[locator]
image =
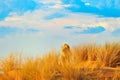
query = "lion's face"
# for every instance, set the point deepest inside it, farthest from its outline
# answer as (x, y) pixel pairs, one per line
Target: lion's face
(65, 47)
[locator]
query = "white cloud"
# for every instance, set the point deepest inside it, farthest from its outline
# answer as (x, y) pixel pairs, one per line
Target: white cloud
(55, 4)
(49, 1)
(104, 3)
(87, 4)
(59, 6)
(36, 20)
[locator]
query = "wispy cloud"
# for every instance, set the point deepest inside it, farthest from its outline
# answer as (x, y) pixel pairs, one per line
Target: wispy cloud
(54, 16)
(102, 8)
(37, 21)
(7, 31)
(68, 27)
(32, 30)
(91, 30)
(104, 3)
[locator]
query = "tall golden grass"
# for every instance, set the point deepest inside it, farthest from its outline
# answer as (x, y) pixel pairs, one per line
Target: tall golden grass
(88, 62)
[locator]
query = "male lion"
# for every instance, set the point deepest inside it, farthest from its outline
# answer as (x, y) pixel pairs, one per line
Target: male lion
(65, 53)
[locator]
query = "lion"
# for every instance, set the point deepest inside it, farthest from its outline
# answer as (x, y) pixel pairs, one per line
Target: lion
(65, 53)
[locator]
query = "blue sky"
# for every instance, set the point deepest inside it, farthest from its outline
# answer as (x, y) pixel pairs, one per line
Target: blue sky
(34, 27)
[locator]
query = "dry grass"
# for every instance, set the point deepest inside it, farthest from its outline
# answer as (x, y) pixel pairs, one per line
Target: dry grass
(88, 62)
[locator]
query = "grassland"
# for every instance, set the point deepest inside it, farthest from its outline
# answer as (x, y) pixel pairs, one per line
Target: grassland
(88, 62)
